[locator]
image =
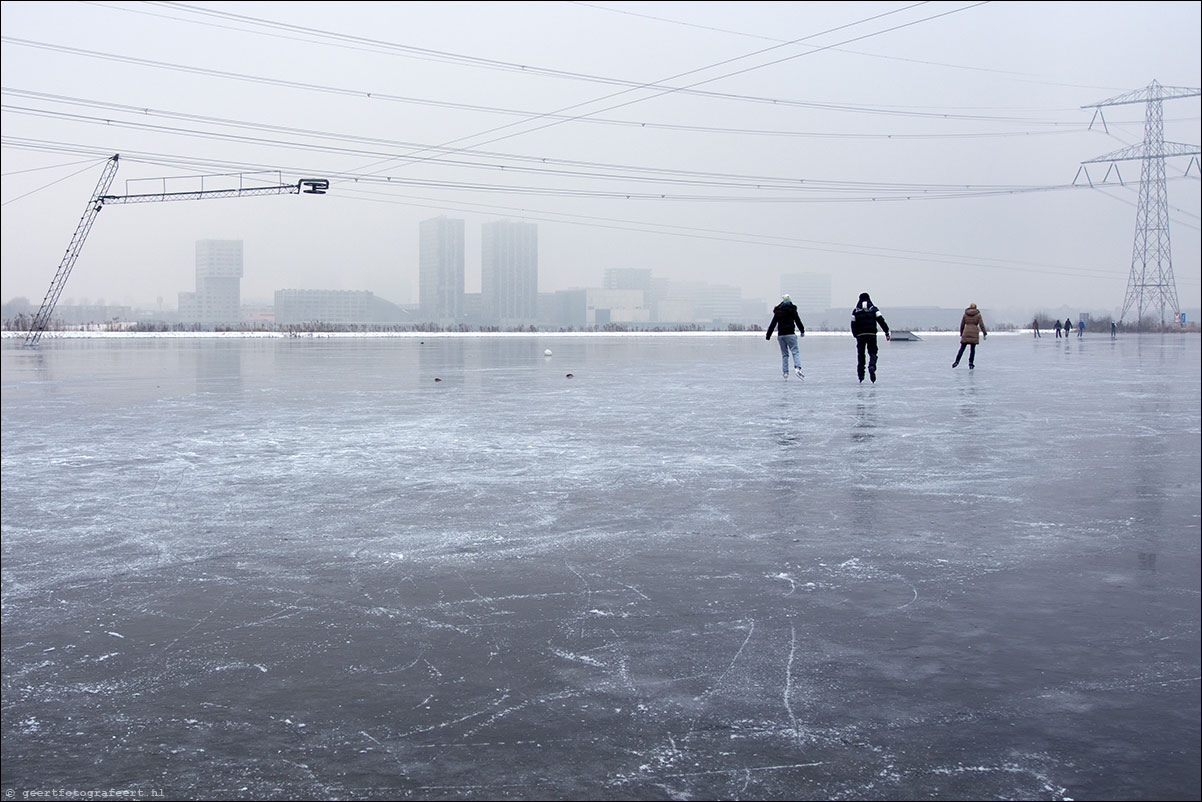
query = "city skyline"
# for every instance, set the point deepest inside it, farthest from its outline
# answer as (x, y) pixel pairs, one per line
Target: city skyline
(929, 154)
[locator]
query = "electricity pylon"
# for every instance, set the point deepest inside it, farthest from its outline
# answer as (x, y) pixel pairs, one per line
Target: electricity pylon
(1151, 284)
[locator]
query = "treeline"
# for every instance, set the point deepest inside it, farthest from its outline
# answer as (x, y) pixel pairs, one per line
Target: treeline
(23, 322)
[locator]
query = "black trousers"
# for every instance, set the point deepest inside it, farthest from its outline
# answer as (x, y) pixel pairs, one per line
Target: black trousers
(865, 342)
(972, 353)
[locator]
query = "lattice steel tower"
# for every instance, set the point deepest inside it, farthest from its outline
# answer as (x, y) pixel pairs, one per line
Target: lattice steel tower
(1151, 284)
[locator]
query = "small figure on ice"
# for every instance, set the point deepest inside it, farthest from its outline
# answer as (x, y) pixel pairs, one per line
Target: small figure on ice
(864, 321)
(972, 329)
(788, 326)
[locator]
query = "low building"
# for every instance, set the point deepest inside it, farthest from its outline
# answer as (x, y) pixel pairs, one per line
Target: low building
(297, 307)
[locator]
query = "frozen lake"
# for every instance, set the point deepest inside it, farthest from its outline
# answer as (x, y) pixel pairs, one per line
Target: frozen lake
(436, 567)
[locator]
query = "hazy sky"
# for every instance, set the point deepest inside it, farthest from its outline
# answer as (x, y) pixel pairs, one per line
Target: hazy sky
(924, 152)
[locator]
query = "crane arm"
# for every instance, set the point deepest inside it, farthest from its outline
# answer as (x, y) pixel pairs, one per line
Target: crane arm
(308, 186)
(100, 198)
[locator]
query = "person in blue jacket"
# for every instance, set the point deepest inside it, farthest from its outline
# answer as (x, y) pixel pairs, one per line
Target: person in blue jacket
(865, 319)
(787, 324)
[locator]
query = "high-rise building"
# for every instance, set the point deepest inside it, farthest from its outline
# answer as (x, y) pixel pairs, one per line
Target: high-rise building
(509, 272)
(811, 292)
(628, 278)
(323, 306)
(719, 303)
(218, 295)
(440, 269)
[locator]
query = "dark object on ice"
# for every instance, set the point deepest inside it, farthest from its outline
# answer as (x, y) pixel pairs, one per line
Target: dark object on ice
(568, 376)
(437, 379)
(865, 318)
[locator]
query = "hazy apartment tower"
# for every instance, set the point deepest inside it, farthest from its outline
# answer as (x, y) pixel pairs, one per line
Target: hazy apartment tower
(811, 292)
(628, 278)
(440, 269)
(509, 272)
(715, 303)
(218, 295)
(293, 307)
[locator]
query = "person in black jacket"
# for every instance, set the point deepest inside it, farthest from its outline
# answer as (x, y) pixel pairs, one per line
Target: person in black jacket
(788, 328)
(864, 321)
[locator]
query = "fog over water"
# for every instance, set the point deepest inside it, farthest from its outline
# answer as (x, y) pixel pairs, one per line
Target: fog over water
(929, 153)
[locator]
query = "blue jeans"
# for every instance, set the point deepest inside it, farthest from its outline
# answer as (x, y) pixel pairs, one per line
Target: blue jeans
(788, 345)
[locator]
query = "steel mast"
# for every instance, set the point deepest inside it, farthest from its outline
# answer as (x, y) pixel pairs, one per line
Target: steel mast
(100, 197)
(1151, 284)
(42, 319)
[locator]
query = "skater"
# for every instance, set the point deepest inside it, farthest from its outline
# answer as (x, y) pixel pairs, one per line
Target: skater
(1057, 329)
(972, 329)
(1114, 330)
(786, 322)
(864, 321)
(1081, 328)
(1035, 327)
(1068, 328)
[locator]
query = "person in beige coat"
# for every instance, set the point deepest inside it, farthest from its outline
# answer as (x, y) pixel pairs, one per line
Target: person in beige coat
(972, 329)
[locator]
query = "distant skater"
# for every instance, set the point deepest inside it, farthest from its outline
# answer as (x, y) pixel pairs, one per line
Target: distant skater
(1057, 329)
(1035, 327)
(972, 329)
(1114, 330)
(1080, 328)
(788, 328)
(1068, 328)
(864, 321)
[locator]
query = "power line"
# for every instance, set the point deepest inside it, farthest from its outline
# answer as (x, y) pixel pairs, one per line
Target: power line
(655, 85)
(802, 190)
(89, 162)
(989, 70)
(617, 223)
(517, 162)
(377, 45)
(1058, 127)
(793, 243)
(368, 94)
(90, 165)
(592, 221)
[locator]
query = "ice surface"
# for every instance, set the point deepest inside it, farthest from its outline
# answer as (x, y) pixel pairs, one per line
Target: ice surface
(438, 567)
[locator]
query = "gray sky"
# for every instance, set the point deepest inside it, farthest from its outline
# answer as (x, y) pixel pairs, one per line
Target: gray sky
(923, 152)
